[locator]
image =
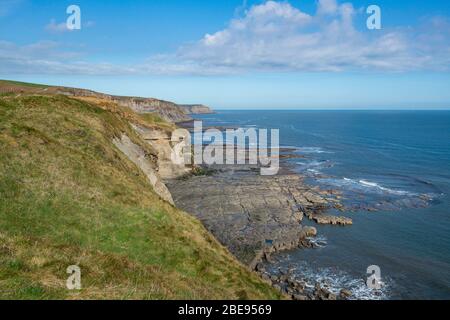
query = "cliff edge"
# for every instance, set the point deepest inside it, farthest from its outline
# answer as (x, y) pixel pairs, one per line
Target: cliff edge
(166, 110)
(196, 109)
(81, 183)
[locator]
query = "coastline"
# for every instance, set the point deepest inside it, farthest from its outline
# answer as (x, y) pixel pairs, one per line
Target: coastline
(98, 167)
(266, 221)
(386, 201)
(257, 216)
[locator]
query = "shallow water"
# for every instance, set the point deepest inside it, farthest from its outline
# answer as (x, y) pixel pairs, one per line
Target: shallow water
(394, 162)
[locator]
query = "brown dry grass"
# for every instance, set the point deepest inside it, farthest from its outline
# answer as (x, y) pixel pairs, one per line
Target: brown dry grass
(68, 196)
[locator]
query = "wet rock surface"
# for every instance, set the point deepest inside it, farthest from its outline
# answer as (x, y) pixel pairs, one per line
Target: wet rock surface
(252, 215)
(333, 220)
(248, 213)
(298, 289)
(257, 216)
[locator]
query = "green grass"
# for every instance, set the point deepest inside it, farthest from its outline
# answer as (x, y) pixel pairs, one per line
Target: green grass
(155, 119)
(152, 118)
(22, 84)
(68, 196)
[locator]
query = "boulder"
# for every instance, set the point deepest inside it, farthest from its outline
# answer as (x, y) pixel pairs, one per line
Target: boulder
(333, 220)
(299, 297)
(345, 294)
(260, 267)
(309, 231)
(332, 296)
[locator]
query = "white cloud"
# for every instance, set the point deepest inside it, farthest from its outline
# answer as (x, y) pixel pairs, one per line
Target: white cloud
(269, 37)
(54, 27)
(57, 27)
(275, 36)
(47, 57)
(327, 7)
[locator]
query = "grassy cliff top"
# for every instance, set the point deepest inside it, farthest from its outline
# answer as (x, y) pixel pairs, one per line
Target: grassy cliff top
(69, 197)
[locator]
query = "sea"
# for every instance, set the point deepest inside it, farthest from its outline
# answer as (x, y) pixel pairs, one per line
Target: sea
(392, 169)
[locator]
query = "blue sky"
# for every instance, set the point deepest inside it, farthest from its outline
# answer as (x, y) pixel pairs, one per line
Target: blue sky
(237, 54)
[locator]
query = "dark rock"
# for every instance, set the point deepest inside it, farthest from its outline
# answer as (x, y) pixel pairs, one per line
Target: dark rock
(307, 232)
(332, 296)
(345, 293)
(284, 278)
(267, 257)
(306, 244)
(300, 297)
(293, 283)
(278, 288)
(333, 220)
(243, 220)
(260, 267)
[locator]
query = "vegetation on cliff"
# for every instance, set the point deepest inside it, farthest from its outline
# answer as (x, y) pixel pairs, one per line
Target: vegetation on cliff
(195, 109)
(68, 196)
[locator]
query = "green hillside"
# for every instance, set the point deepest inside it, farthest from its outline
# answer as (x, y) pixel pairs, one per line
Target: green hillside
(68, 196)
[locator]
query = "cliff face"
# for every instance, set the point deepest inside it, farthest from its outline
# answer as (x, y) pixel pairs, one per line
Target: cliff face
(166, 110)
(159, 140)
(196, 109)
(81, 181)
(137, 155)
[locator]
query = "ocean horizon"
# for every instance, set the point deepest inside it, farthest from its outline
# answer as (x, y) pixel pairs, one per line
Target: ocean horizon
(392, 168)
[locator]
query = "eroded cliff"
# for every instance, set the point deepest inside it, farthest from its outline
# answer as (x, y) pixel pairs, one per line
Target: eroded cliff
(166, 110)
(196, 109)
(81, 184)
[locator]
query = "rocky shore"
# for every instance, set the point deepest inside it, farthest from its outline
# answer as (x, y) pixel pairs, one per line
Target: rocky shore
(285, 281)
(196, 109)
(256, 216)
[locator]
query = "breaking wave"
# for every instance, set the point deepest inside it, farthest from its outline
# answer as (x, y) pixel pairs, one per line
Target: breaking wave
(319, 242)
(308, 150)
(314, 166)
(311, 150)
(334, 280)
(366, 186)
